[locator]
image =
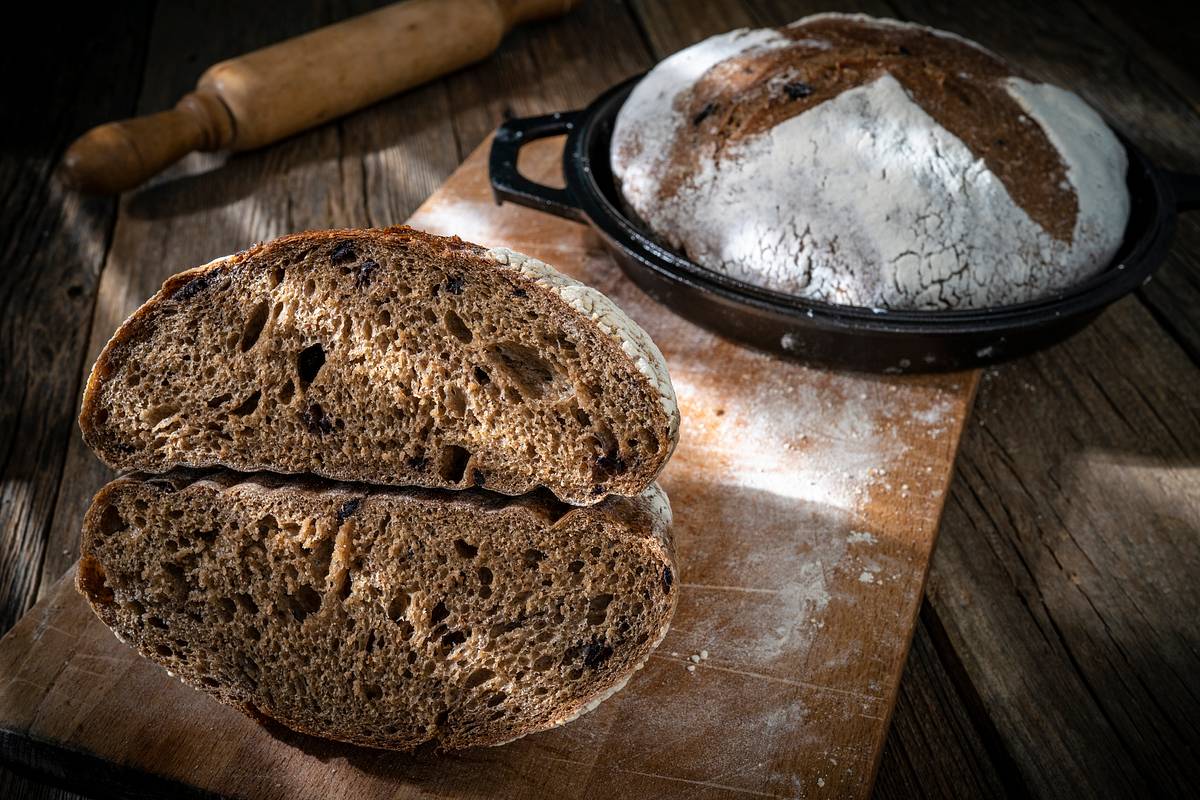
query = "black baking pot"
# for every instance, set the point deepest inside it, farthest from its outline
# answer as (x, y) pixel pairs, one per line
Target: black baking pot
(836, 335)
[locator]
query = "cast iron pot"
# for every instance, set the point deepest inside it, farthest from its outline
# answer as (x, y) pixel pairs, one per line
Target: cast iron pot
(835, 335)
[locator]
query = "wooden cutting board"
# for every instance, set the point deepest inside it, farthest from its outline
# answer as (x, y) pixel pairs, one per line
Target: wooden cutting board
(806, 509)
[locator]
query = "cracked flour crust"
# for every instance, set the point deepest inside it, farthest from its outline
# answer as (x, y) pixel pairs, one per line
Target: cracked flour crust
(865, 199)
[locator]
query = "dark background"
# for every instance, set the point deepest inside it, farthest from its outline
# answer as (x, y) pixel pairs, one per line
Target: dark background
(1057, 652)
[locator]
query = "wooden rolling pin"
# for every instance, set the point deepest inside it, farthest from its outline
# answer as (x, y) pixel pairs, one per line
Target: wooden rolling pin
(272, 93)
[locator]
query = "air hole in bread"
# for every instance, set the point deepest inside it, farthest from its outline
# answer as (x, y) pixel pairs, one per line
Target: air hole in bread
(453, 463)
(287, 392)
(254, 325)
(439, 613)
(581, 416)
(277, 275)
(501, 628)
(598, 608)
(458, 329)
(111, 521)
(397, 607)
(452, 640)
(154, 416)
(464, 549)
(497, 699)
(531, 373)
(220, 400)
(533, 557)
(246, 603)
(609, 462)
(304, 602)
(163, 650)
(478, 678)
(456, 401)
(226, 609)
(309, 363)
(94, 581)
(372, 692)
(248, 405)
(481, 376)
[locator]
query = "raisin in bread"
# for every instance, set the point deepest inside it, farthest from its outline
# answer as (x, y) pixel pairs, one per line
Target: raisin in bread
(381, 616)
(390, 357)
(873, 163)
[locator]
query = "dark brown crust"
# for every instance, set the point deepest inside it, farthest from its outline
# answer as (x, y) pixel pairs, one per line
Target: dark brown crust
(181, 288)
(642, 524)
(958, 84)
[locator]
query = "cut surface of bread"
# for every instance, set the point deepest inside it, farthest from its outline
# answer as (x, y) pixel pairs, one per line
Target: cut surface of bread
(382, 617)
(391, 357)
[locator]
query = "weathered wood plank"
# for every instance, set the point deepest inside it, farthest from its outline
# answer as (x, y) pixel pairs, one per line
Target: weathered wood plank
(18, 787)
(934, 749)
(54, 244)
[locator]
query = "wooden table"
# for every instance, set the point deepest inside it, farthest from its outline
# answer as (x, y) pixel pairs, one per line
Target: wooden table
(1058, 648)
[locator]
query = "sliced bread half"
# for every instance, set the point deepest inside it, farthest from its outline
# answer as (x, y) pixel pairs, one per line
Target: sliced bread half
(382, 617)
(391, 357)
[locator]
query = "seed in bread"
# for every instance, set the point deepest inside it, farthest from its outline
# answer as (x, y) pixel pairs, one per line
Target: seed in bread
(382, 617)
(871, 162)
(390, 357)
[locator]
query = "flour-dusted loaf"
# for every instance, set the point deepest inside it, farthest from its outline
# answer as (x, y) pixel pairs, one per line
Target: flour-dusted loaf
(381, 616)
(390, 357)
(873, 163)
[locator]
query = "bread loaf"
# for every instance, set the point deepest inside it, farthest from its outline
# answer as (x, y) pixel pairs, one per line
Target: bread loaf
(874, 163)
(389, 357)
(382, 617)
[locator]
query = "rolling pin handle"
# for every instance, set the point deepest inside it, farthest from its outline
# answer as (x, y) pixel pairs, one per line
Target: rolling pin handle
(120, 155)
(518, 12)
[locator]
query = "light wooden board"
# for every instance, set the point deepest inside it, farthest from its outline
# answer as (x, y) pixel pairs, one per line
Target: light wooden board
(806, 509)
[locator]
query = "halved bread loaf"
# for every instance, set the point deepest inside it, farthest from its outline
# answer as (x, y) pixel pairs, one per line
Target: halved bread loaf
(383, 617)
(391, 357)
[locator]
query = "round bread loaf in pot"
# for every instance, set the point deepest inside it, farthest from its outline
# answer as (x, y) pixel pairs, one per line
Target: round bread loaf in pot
(872, 163)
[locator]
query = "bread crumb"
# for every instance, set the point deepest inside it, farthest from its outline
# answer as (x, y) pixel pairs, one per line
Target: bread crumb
(695, 658)
(703, 655)
(691, 667)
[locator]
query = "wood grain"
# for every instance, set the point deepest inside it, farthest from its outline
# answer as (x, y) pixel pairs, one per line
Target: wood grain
(53, 247)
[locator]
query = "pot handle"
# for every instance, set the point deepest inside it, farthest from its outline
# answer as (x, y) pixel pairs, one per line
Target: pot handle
(1187, 190)
(508, 184)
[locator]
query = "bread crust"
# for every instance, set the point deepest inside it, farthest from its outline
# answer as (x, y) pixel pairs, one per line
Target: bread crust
(620, 341)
